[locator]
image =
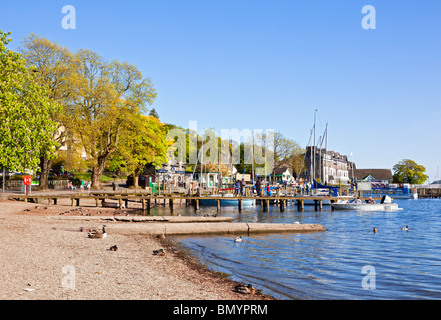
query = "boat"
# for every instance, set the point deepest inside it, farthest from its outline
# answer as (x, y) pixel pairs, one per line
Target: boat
(226, 200)
(395, 190)
(325, 191)
(357, 205)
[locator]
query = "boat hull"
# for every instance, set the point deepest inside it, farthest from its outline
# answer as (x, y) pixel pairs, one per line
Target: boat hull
(227, 202)
(365, 206)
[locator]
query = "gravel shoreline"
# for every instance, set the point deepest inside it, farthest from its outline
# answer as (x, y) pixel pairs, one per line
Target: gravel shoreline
(50, 259)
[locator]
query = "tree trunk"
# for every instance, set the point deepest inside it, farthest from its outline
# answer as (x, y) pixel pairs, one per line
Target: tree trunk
(135, 181)
(97, 172)
(45, 166)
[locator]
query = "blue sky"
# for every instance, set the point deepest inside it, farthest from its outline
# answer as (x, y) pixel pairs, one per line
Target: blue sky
(269, 64)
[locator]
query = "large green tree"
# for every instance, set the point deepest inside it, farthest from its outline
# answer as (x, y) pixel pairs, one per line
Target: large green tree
(408, 171)
(53, 64)
(26, 113)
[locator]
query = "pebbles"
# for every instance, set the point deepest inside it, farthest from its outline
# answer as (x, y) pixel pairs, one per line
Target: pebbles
(61, 264)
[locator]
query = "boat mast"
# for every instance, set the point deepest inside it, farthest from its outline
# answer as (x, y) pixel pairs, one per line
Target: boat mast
(314, 144)
(202, 161)
(252, 150)
(326, 155)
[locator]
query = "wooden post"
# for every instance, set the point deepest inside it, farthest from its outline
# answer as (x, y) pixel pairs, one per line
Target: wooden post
(218, 205)
(170, 202)
(120, 203)
(196, 204)
(78, 202)
(321, 205)
(126, 202)
(316, 205)
(72, 202)
(300, 205)
(265, 205)
(240, 205)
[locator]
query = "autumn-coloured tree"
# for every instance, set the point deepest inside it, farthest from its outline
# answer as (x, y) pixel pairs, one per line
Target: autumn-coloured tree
(105, 95)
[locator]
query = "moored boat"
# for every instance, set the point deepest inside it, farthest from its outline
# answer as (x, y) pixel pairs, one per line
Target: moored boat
(226, 201)
(357, 205)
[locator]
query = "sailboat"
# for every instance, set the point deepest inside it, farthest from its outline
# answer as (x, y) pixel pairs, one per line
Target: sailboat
(319, 190)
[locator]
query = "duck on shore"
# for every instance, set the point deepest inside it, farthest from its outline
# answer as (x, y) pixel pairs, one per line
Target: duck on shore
(98, 234)
(249, 289)
(159, 252)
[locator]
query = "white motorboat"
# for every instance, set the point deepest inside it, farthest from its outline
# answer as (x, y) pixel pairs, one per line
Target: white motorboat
(357, 205)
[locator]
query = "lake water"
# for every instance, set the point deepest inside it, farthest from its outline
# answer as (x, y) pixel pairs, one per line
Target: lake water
(348, 261)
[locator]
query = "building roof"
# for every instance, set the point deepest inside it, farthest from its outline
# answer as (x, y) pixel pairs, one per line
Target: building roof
(378, 174)
(281, 170)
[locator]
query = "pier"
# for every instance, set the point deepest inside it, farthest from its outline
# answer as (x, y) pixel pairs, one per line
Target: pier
(123, 199)
(429, 193)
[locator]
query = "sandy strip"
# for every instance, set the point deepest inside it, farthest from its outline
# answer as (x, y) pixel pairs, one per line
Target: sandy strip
(43, 258)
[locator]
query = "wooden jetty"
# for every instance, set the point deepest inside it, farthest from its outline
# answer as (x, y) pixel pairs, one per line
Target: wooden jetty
(124, 198)
(429, 193)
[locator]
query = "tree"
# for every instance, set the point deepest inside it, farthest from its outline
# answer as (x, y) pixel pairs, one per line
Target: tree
(143, 142)
(154, 113)
(408, 171)
(53, 64)
(26, 113)
(105, 95)
(284, 152)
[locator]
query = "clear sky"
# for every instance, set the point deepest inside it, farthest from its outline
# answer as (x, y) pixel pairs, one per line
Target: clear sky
(262, 64)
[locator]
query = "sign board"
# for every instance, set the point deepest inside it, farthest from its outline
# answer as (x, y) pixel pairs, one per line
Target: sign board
(364, 186)
(27, 180)
(246, 177)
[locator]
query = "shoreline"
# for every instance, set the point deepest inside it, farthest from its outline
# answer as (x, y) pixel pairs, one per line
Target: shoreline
(50, 259)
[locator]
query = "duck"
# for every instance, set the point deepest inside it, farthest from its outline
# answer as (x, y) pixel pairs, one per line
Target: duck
(405, 229)
(159, 252)
(249, 289)
(113, 248)
(97, 234)
(238, 239)
(375, 230)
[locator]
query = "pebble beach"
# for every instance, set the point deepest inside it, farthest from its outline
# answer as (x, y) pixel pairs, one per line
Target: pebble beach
(51, 259)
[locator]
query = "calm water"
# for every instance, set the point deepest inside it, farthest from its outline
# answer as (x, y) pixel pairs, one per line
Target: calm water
(329, 265)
